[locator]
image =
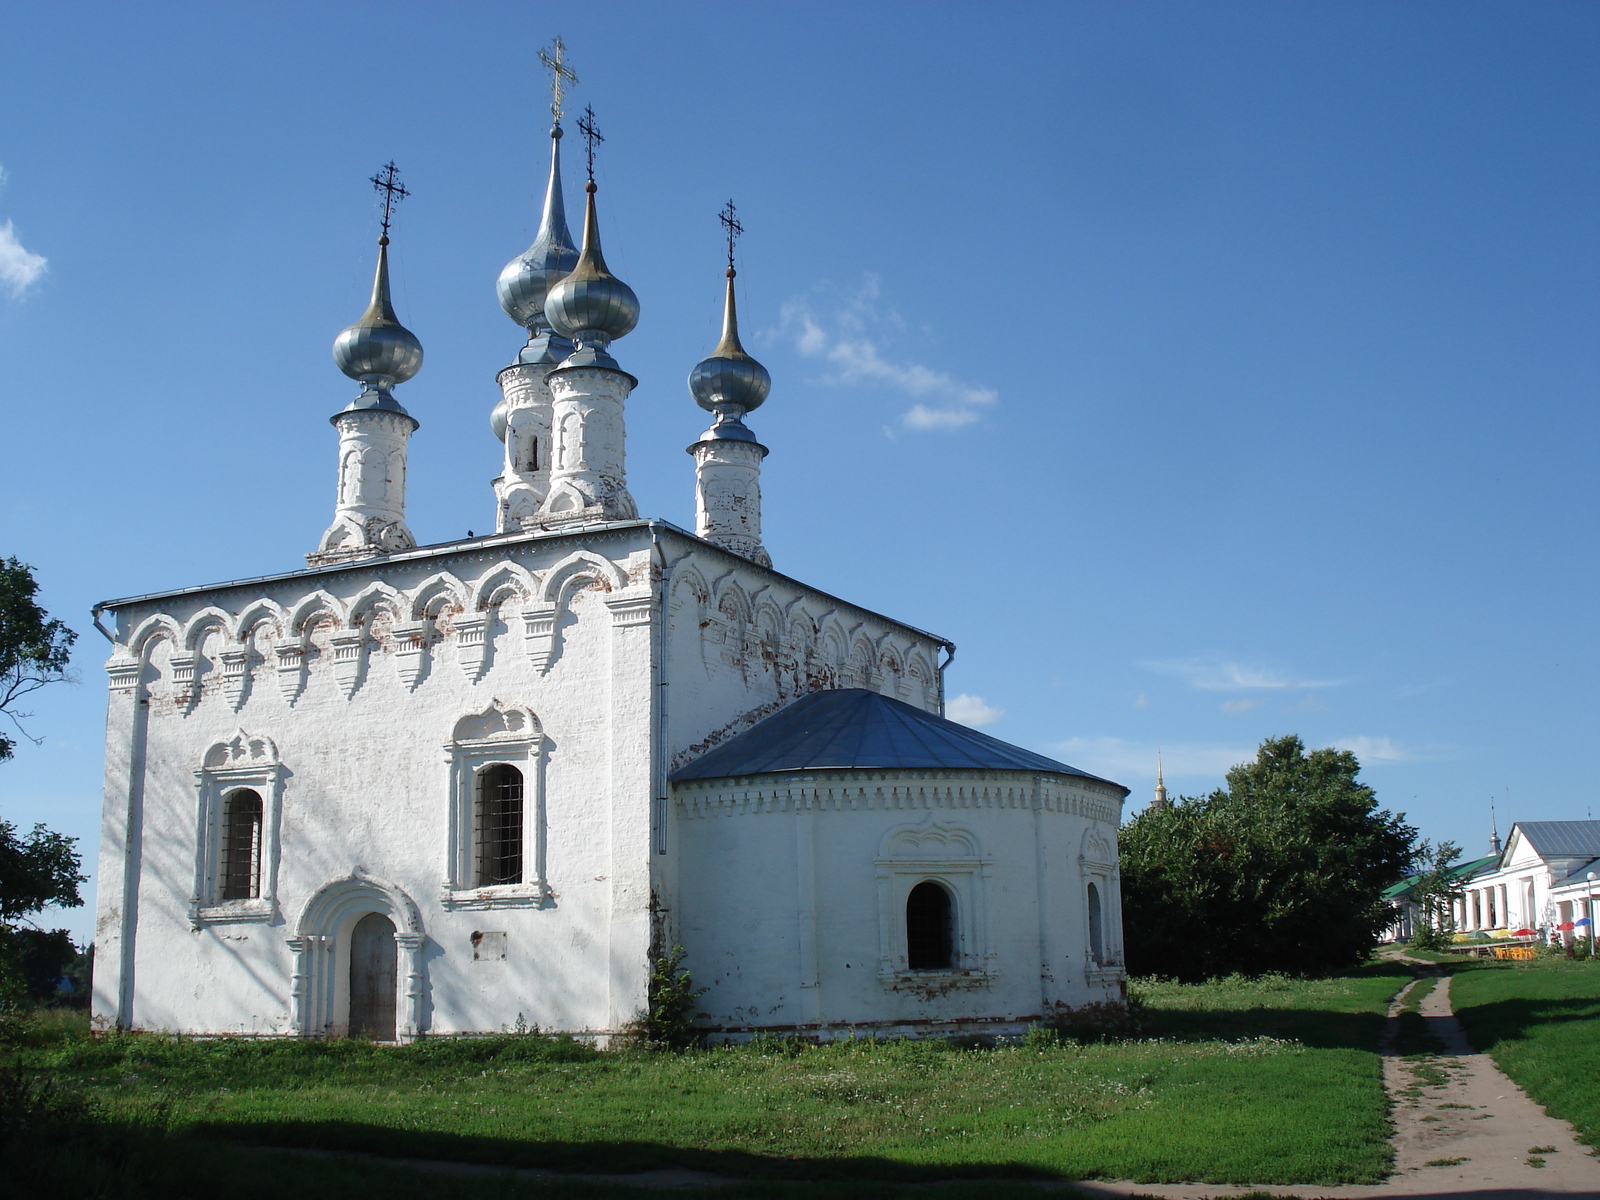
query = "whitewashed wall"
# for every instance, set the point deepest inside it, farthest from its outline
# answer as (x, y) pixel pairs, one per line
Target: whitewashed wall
(804, 926)
(334, 694)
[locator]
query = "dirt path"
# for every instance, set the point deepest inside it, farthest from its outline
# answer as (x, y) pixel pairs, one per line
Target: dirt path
(1462, 1129)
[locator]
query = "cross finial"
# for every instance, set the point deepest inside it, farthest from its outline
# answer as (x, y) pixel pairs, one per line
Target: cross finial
(591, 135)
(555, 61)
(387, 181)
(729, 217)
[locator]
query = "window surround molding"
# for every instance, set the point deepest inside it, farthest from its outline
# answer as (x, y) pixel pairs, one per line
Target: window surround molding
(948, 855)
(1097, 865)
(244, 761)
(501, 733)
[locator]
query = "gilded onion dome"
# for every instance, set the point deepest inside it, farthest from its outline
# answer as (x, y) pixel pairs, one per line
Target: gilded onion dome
(729, 381)
(527, 279)
(377, 350)
(591, 306)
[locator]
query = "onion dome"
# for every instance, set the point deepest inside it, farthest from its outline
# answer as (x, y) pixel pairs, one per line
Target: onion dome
(729, 382)
(591, 306)
(527, 279)
(377, 349)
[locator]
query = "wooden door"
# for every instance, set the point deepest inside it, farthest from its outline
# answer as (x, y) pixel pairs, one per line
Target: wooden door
(372, 978)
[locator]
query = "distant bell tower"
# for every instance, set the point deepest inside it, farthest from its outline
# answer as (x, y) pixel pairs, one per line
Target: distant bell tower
(369, 516)
(727, 458)
(522, 419)
(592, 308)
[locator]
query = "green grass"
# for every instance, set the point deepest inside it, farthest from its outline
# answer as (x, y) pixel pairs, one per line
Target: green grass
(1264, 1081)
(1540, 1021)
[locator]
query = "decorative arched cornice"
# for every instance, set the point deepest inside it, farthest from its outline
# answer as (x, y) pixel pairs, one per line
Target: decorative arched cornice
(358, 892)
(209, 617)
(374, 595)
(256, 612)
(153, 628)
(440, 585)
(310, 607)
(564, 577)
(689, 576)
(507, 577)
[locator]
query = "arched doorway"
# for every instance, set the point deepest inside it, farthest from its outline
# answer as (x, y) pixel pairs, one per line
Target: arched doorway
(359, 966)
(373, 978)
(1097, 943)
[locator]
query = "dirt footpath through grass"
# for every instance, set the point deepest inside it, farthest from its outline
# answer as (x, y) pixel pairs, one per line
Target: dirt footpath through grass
(1461, 1127)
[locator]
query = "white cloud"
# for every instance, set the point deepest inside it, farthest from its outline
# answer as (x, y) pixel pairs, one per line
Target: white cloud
(1234, 707)
(971, 710)
(19, 267)
(846, 336)
(1374, 749)
(1210, 675)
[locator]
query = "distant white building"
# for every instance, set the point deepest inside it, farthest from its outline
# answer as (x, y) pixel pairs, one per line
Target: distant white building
(444, 789)
(1546, 879)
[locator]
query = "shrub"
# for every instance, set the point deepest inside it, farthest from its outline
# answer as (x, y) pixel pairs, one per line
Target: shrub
(668, 1022)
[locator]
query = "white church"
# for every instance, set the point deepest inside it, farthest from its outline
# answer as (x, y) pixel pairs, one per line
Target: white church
(466, 787)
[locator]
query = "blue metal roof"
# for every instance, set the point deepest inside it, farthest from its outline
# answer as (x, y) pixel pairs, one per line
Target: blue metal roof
(854, 728)
(1563, 839)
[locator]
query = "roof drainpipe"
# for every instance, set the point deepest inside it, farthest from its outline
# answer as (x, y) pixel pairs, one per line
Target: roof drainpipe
(658, 666)
(950, 652)
(94, 615)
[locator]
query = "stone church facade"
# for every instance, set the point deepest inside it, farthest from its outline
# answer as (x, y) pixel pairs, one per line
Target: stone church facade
(468, 787)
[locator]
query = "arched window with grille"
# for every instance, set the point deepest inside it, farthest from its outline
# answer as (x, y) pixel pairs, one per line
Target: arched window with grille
(241, 846)
(930, 928)
(1097, 945)
(497, 825)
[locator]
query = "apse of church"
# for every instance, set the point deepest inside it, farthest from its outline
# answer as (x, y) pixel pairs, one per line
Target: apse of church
(418, 790)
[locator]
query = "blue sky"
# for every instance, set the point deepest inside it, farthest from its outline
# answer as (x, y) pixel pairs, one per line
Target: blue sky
(1206, 371)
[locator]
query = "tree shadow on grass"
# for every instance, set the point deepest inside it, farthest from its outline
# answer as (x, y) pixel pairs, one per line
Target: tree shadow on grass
(1313, 1028)
(594, 1157)
(1488, 1025)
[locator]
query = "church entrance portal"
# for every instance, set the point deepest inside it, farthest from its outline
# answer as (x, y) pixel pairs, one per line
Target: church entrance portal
(372, 978)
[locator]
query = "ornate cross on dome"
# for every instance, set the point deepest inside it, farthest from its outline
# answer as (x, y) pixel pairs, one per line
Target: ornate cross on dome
(555, 61)
(730, 221)
(387, 181)
(591, 135)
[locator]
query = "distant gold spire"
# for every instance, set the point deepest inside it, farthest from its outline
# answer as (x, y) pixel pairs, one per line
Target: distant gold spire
(1161, 786)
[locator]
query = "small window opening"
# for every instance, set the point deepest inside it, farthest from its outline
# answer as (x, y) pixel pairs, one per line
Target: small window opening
(1097, 950)
(533, 454)
(241, 846)
(499, 825)
(930, 941)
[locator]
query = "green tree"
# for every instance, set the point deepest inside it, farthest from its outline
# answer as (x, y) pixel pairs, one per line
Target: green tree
(34, 647)
(41, 868)
(1283, 869)
(1434, 889)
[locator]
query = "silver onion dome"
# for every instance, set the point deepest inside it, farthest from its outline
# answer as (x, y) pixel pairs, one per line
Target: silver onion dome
(729, 381)
(527, 279)
(377, 349)
(591, 306)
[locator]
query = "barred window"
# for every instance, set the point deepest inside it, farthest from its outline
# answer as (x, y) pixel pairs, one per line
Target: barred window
(930, 940)
(241, 846)
(497, 827)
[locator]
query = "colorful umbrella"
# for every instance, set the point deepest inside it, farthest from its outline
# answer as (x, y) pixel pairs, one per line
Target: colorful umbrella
(1524, 933)
(1564, 926)
(1583, 921)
